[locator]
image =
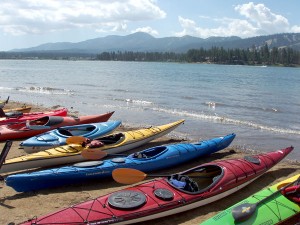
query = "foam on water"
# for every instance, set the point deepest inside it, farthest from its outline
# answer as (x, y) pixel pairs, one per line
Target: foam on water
(6, 88)
(224, 120)
(45, 90)
(138, 102)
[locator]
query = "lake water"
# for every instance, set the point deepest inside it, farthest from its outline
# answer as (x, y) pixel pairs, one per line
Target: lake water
(260, 104)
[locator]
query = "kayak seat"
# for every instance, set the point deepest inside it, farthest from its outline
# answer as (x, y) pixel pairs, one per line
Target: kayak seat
(184, 182)
(64, 132)
(95, 144)
(205, 178)
(139, 155)
(177, 183)
(191, 185)
(111, 139)
(91, 128)
(154, 151)
(202, 179)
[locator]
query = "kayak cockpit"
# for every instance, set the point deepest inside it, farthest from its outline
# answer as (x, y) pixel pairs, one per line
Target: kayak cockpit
(76, 131)
(149, 153)
(111, 139)
(198, 180)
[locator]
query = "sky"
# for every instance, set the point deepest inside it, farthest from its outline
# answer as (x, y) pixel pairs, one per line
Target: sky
(29, 23)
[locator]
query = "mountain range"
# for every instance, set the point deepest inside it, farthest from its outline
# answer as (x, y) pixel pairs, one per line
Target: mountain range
(143, 42)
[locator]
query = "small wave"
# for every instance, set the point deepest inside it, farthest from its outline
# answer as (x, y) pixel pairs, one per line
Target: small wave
(30, 83)
(188, 98)
(213, 105)
(258, 126)
(260, 108)
(6, 88)
(45, 90)
(138, 102)
(275, 110)
(119, 90)
(133, 101)
(255, 108)
(221, 119)
(88, 85)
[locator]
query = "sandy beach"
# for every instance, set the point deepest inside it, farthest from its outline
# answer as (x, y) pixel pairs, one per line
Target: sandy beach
(17, 207)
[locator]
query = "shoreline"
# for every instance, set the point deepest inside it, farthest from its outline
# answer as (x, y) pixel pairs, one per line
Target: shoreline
(18, 207)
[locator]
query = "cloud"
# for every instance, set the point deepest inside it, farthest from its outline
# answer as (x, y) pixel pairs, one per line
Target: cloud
(35, 16)
(266, 21)
(295, 29)
(229, 27)
(148, 30)
(259, 20)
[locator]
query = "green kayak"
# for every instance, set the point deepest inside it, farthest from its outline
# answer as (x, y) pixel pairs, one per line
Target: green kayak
(269, 206)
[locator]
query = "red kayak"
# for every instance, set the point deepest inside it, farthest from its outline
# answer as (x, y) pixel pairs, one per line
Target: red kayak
(46, 123)
(161, 197)
(21, 117)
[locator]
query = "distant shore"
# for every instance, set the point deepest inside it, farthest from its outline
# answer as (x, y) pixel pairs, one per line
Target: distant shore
(17, 207)
(89, 58)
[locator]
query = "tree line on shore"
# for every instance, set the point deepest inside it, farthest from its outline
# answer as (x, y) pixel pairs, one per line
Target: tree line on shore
(217, 55)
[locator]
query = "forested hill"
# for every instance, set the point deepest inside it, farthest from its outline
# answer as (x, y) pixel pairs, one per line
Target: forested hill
(277, 49)
(142, 42)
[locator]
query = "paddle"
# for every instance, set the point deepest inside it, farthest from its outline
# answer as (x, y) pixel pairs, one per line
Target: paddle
(2, 104)
(6, 100)
(75, 140)
(97, 154)
(4, 153)
(131, 176)
(2, 113)
(244, 211)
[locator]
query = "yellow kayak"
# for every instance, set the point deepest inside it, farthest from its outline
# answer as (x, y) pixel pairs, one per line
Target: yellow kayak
(114, 143)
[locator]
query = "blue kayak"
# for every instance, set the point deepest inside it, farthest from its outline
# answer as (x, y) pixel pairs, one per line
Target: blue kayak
(58, 136)
(155, 158)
